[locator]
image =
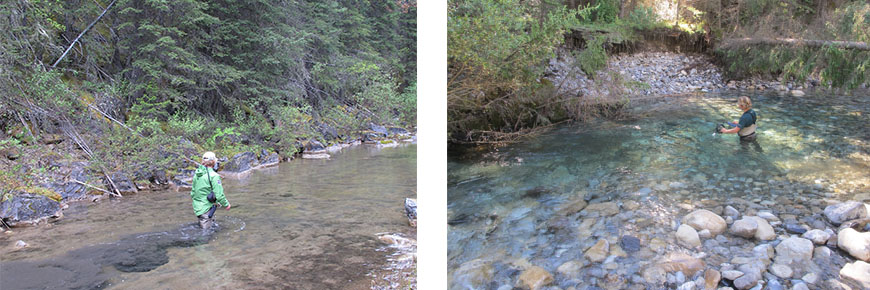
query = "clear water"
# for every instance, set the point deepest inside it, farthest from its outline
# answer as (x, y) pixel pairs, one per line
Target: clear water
(306, 224)
(504, 202)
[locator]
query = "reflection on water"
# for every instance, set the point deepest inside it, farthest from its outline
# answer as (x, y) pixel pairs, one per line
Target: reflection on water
(509, 208)
(307, 224)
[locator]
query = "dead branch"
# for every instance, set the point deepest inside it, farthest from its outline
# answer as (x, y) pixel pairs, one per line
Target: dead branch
(25, 126)
(83, 33)
(91, 186)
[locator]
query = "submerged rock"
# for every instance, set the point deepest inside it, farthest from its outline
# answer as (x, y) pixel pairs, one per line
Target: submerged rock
(630, 244)
(535, 277)
(24, 209)
(845, 211)
(688, 237)
(474, 274)
(704, 219)
(855, 243)
(598, 252)
(711, 279)
(20, 244)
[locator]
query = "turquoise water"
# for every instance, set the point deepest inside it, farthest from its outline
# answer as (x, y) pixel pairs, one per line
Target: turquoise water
(504, 202)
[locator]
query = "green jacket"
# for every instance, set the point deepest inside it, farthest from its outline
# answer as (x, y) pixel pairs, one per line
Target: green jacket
(201, 189)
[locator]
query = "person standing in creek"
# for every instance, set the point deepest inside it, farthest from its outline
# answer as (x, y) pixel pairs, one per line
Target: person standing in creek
(746, 126)
(207, 190)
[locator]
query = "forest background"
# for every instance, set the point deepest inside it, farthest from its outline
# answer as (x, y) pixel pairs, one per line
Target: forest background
(153, 83)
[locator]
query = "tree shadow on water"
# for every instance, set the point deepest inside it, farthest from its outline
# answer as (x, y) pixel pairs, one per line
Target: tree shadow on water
(86, 268)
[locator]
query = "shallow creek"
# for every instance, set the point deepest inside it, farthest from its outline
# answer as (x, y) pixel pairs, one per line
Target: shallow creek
(524, 206)
(305, 224)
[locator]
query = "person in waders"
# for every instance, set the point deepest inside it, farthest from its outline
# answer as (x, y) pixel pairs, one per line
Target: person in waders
(746, 126)
(207, 190)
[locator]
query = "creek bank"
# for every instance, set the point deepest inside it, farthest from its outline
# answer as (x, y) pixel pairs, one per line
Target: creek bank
(649, 74)
(65, 181)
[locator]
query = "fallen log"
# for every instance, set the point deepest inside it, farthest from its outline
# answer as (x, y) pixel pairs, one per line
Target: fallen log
(735, 42)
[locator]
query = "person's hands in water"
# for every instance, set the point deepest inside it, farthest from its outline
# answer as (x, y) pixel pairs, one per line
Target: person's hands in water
(228, 206)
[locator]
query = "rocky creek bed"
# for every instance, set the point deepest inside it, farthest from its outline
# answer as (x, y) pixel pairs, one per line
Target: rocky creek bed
(389, 257)
(660, 73)
(661, 202)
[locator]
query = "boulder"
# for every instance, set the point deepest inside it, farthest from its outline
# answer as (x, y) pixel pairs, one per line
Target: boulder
(411, 211)
(818, 237)
(313, 146)
(25, 208)
(535, 277)
(598, 252)
(704, 219)
(270, 159)
(857, 272)
(68, 189)
(688, 237)
(474, 274)
(241, 163)
(855, 243)
(841, 212)
(745, 227)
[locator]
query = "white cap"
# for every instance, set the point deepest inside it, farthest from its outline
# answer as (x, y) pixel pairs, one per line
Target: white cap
(209, 156)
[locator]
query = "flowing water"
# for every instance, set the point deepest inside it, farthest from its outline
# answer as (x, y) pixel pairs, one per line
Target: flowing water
(510, 208)
(306, 224)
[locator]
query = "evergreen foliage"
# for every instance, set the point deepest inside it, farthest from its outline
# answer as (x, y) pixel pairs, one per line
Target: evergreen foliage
(224, 74)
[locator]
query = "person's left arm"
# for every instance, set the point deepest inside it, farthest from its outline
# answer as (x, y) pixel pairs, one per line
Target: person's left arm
(218, 189)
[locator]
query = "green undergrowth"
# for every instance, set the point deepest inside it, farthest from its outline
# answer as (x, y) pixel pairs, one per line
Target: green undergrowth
(835, 67)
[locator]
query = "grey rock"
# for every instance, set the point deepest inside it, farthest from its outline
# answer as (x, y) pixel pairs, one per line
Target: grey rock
(818, 237)
(781, 271)
(630, 244)
(20, 244)
(241, 162)
(845, 211)
(731, 274)
(795, 229)
(25, 208)
(744, 228)
(731, 211)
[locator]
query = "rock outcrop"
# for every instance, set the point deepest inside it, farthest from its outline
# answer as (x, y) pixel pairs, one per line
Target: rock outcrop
(25, 208)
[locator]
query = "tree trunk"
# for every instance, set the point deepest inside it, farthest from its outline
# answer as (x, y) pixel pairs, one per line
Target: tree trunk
(735, 42)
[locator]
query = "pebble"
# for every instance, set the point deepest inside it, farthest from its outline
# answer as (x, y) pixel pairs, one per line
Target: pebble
(818, 237)
(811, 278)
(795, 229)
(731, 274)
